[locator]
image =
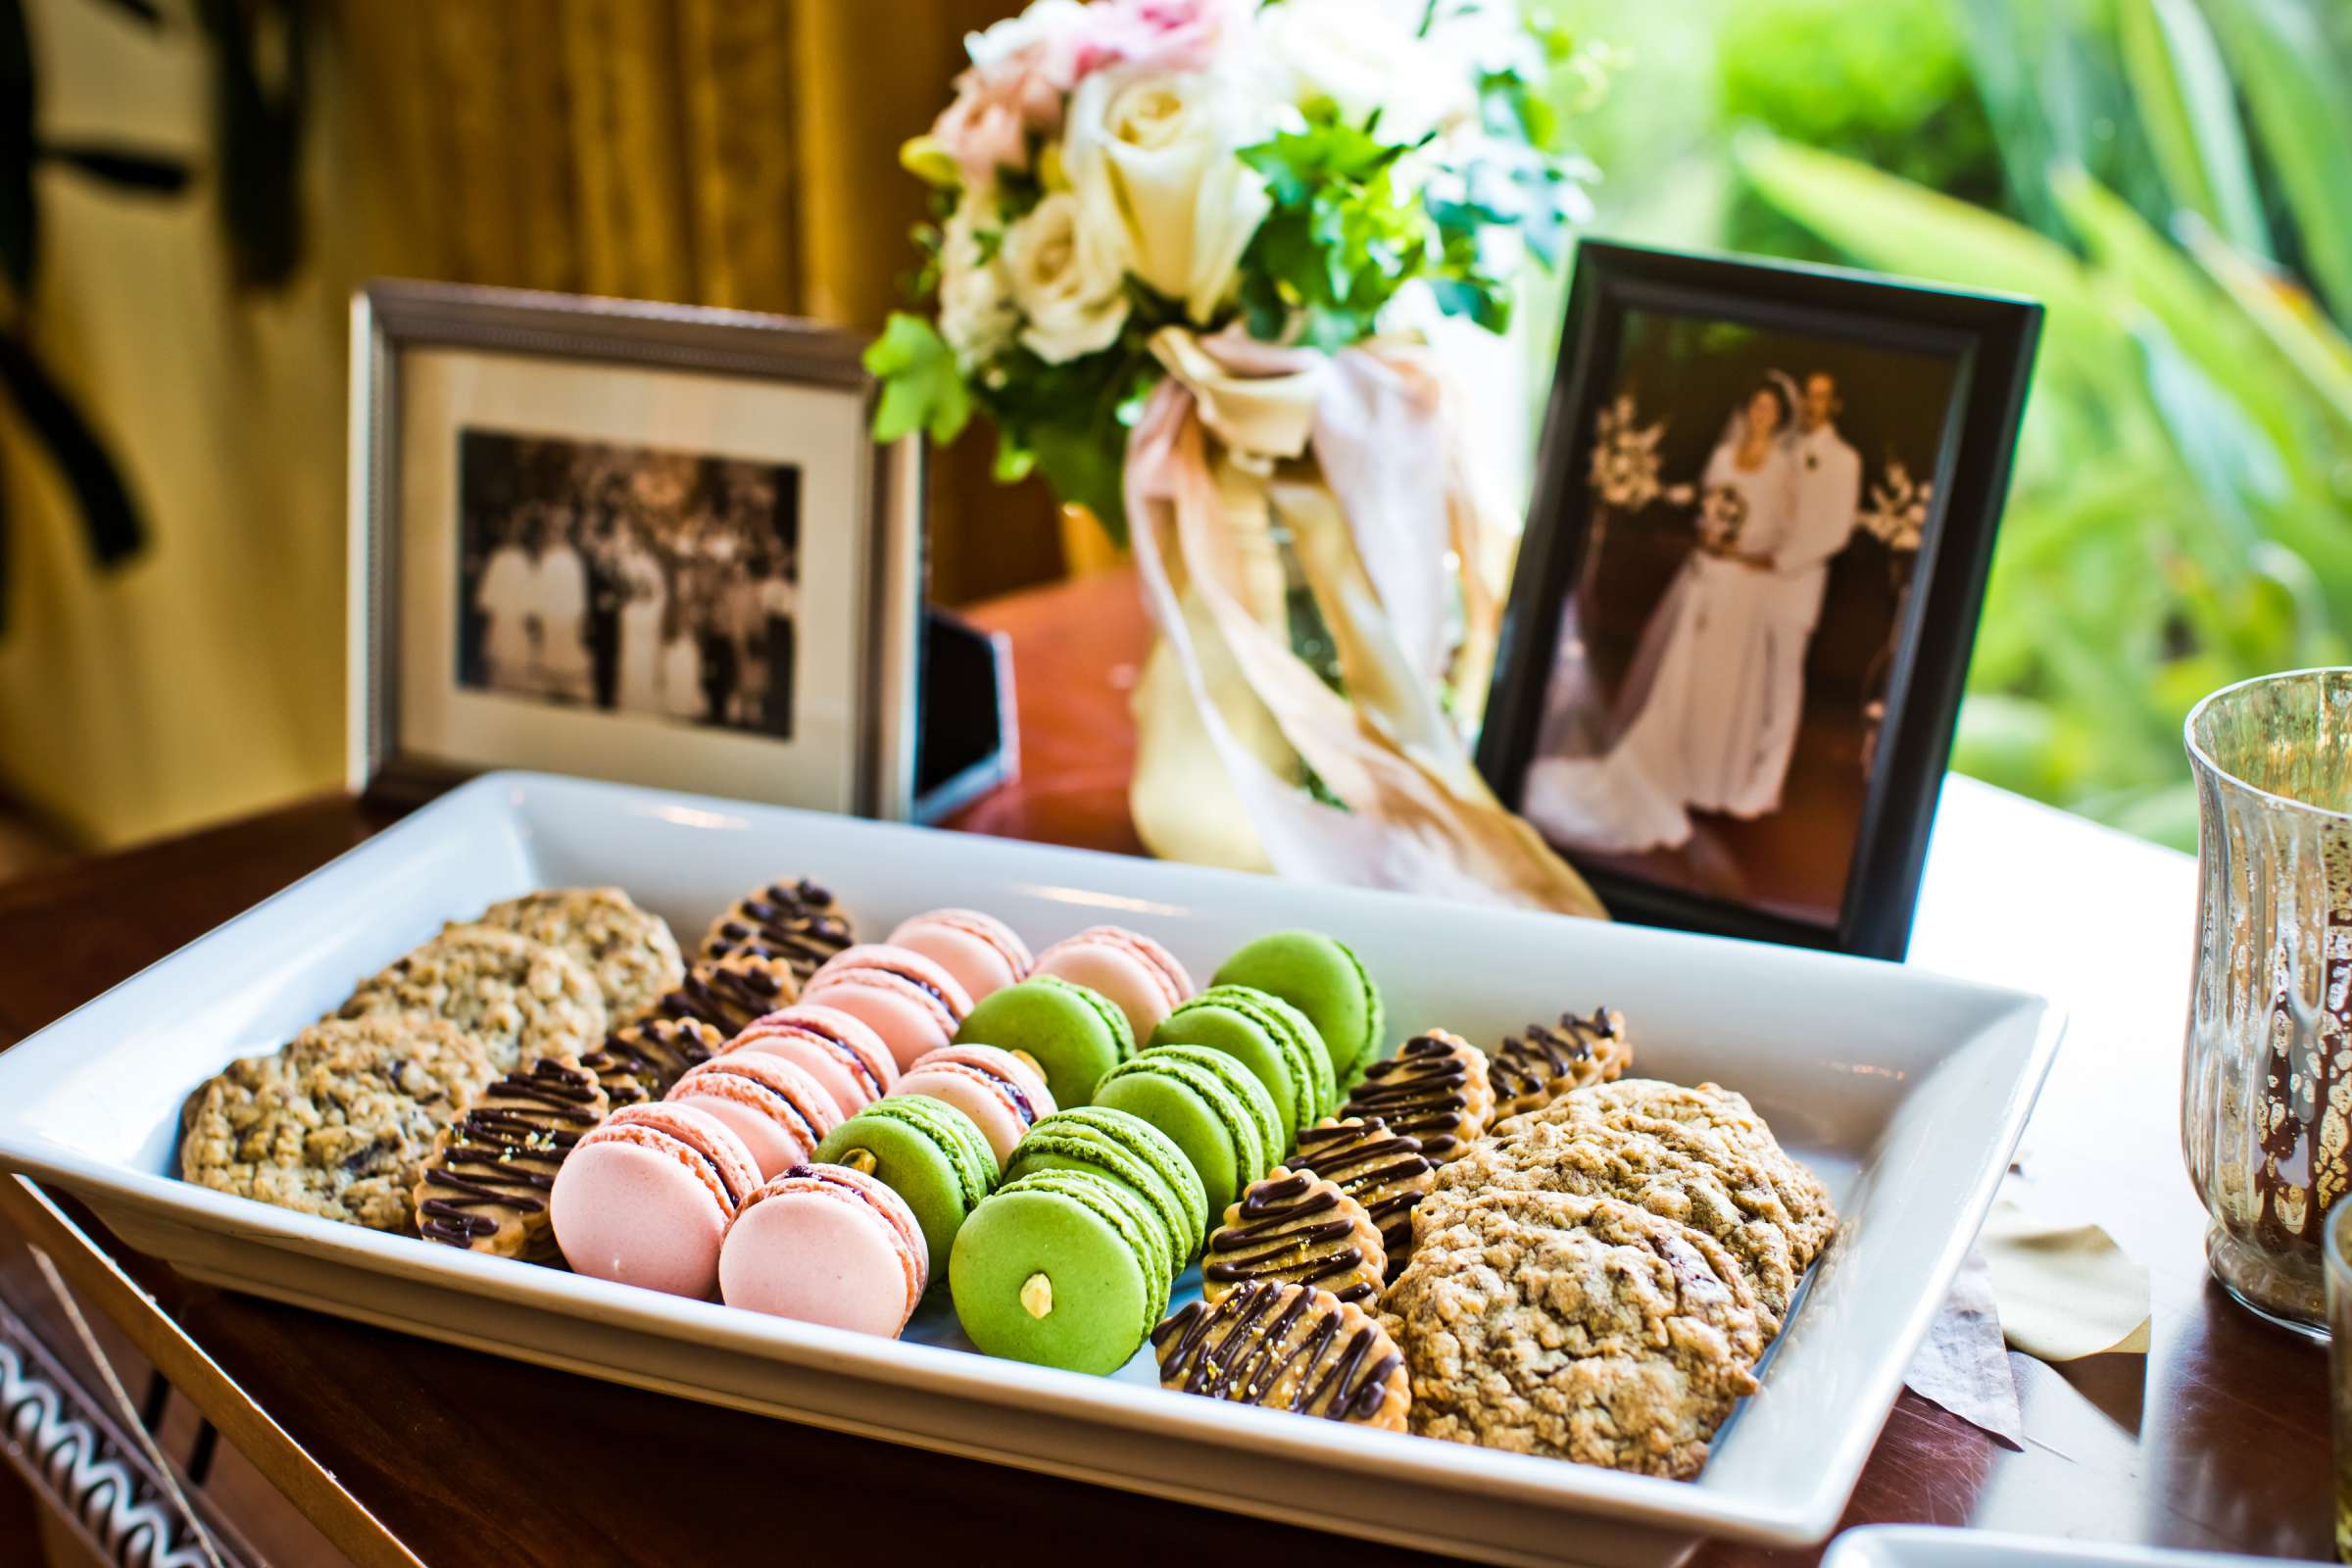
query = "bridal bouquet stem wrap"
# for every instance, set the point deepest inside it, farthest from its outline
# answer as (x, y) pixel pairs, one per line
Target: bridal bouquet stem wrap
(1243, 438)
(1181, 252)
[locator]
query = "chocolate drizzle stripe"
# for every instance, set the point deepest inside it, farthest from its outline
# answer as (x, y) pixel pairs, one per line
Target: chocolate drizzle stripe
(1417, 1092)
(1236, 1351)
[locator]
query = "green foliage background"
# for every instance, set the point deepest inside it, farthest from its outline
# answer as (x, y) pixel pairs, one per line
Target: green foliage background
(2174, 179)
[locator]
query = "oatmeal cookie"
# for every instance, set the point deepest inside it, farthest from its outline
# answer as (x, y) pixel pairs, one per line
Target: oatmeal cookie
(522, 1000)
(631, 953)
(1543, 1062)
(1671, 1170)
(1287, 1347)
(796, 921)
(1579, 1328)
(339, 1122)
(1641, 1103)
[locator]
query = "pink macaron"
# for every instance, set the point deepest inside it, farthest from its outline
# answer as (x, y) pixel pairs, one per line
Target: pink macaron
(646, 1197)
(1002, 1094)
(1141, 978)
(979, 949)
(781, 1111)
(907, 999)
(824, 1243)
(838, 1049)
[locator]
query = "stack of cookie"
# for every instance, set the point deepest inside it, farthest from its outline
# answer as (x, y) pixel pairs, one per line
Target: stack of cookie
(441, 1096)
(1598, 1278)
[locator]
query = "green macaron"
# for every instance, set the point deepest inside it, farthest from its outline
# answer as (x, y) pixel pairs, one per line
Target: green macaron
(1268, 1036)
(1319, 976)
(1061, 1268)
(1127, 1149)
(1074, 1034)
(928, 1153)
(1210, 1107)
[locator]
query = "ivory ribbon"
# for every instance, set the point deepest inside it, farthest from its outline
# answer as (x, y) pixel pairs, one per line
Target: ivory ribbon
(1354, 456)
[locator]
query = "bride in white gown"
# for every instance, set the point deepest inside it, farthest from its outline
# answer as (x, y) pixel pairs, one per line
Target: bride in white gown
(1700, 690)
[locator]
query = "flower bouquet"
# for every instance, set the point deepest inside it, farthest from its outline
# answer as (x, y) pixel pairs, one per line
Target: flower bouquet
(1183, 256)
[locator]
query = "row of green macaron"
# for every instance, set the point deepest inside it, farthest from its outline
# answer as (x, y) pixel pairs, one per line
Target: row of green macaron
(1100, 1207)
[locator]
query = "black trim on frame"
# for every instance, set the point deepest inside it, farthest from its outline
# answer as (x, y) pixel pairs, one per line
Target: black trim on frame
(1993, 338)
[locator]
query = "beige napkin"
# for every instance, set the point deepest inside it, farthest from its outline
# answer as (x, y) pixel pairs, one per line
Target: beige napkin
(2065, 1291)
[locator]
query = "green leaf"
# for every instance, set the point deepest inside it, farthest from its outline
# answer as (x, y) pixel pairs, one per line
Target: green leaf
(2189, 112)
(1895, 226)
(109, 519)
(2158, 280)
(1087, 468)
(921, 387)
(1015, 461)
(2284, 312)
(2293, 77)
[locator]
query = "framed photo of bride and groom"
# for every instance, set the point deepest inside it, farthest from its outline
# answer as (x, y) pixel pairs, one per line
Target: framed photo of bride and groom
(1741, 617)
(632, 541)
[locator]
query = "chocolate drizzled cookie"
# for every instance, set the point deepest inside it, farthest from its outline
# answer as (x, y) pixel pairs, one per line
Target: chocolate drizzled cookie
(795, 921)
(1287, 1347)
(1545, 1061)
(486, 1186)
(1295, 1226)
(728, 993)
(639, 1061)
(1382, 1170)
(1434, 1089)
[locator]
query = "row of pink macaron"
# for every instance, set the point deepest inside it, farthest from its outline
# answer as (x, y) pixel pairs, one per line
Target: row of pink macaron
(715, 1189)
(659, 1193)
(918, 986)
(667, 1196)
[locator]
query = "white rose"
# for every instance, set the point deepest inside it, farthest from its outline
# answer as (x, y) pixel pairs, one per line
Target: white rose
(1049, 22)
(1363, 59)
(1153, 152)
(975, 315)
(1068, 276)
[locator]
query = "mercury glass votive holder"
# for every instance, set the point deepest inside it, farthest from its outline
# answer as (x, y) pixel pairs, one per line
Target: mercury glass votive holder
(2265, 1089)
(2336, 1253)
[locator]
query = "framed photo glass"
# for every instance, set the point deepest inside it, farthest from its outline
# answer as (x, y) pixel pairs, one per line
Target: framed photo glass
(1745, 602)
(637, 542)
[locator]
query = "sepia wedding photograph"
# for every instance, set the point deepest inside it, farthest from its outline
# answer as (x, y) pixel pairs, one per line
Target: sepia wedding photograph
(1716, 641)
(630, 580)
(1719, 678)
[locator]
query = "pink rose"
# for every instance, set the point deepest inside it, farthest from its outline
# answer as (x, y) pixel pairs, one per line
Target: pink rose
(988, 126)
(1158, 34)
(1024, 67)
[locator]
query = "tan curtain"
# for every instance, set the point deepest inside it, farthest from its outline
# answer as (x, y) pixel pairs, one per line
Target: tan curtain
(727, 152)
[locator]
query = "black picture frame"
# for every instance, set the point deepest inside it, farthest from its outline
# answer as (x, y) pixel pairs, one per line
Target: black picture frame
(1993, 339)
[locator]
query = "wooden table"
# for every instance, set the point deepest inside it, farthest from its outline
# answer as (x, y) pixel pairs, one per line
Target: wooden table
(401, 1450)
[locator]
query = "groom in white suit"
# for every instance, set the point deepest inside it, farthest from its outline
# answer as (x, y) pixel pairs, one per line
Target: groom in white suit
(1829, 499)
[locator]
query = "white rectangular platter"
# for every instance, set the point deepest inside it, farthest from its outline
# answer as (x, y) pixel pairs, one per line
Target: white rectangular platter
(1905, 1090)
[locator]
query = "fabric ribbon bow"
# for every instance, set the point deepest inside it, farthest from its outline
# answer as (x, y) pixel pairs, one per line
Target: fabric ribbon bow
(1355, 457)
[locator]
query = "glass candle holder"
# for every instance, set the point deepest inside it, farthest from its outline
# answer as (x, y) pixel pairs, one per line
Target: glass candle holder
(2265, 1089)
(2336, 1252)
